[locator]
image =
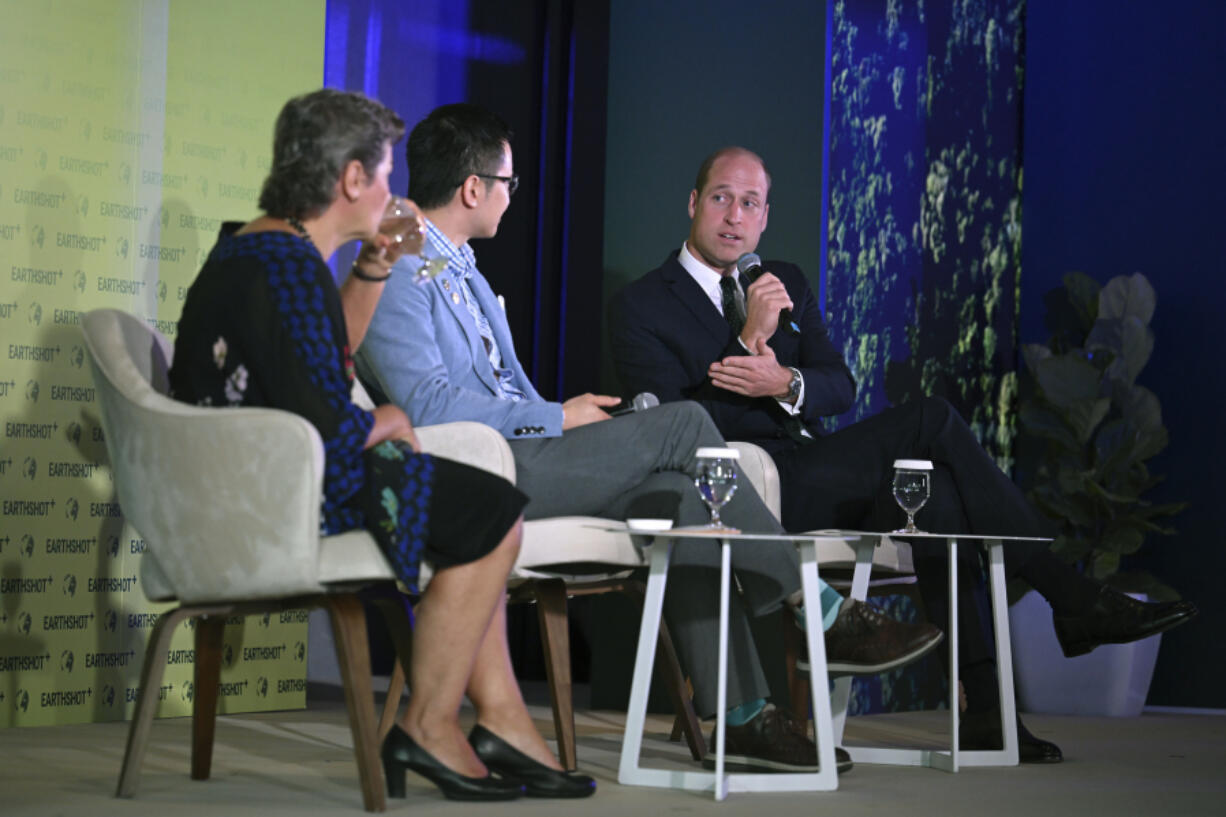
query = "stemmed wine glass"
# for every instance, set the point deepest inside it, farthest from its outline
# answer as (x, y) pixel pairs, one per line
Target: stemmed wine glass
(398, 219)
(911, 489)
(715, 478)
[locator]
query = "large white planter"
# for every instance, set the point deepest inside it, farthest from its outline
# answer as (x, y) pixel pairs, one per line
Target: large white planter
(1111, 680)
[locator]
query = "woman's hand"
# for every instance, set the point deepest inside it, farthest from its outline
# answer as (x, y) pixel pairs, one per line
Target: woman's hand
(401, 232)
(391, 424)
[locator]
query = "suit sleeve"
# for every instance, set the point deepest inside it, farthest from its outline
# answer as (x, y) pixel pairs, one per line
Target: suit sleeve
(830, 388)
(649, 356)
(403, 356)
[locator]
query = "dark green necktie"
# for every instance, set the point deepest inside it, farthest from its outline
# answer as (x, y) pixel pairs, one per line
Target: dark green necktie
(732, 310)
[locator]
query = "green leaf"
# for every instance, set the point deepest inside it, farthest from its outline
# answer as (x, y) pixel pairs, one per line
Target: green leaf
(1104, 565)
(1067, 379)
(1127, 296)
(1083, 296)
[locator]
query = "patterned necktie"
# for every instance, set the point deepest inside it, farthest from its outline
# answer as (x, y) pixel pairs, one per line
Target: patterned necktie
(732, 310)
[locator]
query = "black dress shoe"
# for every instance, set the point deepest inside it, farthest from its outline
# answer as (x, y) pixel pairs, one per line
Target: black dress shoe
(401, 752)
(537, 779)
(980, 731)
(1117, 619)
(772, 741)
(864, 641)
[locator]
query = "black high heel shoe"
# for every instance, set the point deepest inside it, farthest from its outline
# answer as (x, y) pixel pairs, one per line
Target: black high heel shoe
(537, 779)
(401, 752)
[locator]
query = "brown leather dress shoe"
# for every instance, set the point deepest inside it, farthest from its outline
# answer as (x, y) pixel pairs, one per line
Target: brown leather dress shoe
(863, 641)
(773, 741)
(1117, 619)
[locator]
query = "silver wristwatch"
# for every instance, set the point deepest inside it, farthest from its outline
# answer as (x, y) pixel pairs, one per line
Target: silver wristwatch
(795, 384)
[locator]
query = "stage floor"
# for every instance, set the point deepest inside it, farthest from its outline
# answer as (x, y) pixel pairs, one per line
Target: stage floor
(300, 764)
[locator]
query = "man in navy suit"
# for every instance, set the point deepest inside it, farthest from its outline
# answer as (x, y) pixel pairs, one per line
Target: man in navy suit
(695, 329)
(443, 352)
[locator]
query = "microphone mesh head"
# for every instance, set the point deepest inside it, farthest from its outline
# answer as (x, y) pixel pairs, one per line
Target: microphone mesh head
(746, 261)
(645, 400)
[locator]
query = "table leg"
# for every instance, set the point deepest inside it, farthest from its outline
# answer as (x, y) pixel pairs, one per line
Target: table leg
(1007, 755)
(952, 634)
(629, 771)
(721, 693)
(840, 697)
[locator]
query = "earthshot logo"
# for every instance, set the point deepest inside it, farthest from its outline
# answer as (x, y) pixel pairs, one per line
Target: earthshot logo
(187, 691)
(66, 661)
(76, 358)
(121, 248)
(78, 281)
(27, 545)
(261, 686)
(24, 623)
(32, 391)
(108, 695)
(34, 314)
(162, 291)
(299, 651)
(110, 621)
(227, 656)
(21, 701)
(70, 585)
(83, 206)
(72, 508)
(73, 432)
(29, 468)
(112, 545)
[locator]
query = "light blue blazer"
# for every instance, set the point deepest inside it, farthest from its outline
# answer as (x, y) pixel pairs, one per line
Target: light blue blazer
(423, 353)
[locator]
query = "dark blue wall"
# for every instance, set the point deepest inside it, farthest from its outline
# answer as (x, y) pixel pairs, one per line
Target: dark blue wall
(1125, 171)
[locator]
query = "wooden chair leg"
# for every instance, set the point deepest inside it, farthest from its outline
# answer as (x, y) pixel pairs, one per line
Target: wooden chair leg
(147, 700)
(682, 695)
(798, 686)
(550, 595)
(353, 656)
(679, 691)
(397, 614)
(209, 632)
(391, 705)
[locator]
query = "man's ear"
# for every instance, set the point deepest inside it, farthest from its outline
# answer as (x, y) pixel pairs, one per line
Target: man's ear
(353, 179)
(693, 202)
(471, 191)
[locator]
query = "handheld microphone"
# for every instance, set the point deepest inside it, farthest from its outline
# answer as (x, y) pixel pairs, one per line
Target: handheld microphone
(641, 402)
(750, 265)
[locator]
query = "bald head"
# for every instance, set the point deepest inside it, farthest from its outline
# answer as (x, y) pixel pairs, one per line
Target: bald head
(704, 170)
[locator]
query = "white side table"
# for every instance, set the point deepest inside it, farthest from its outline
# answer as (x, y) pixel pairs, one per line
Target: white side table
(630, 771)
(954, 758)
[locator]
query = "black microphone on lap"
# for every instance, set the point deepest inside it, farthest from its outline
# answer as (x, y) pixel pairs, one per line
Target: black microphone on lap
(641, 402)
(750, 265)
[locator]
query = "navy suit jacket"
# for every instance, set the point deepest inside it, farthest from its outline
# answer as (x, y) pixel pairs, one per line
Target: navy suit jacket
(665, 332)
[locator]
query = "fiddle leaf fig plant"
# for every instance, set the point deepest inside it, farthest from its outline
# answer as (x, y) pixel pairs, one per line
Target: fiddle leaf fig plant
(1093, 429)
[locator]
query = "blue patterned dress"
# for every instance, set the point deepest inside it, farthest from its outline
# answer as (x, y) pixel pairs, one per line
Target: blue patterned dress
(263, 326)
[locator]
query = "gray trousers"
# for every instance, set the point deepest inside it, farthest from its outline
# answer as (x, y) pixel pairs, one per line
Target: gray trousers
(641, 465)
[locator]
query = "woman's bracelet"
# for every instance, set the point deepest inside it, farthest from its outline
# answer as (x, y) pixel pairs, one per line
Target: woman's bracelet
(356, 272)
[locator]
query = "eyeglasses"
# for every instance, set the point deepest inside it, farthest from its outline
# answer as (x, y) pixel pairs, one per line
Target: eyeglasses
(512, 181)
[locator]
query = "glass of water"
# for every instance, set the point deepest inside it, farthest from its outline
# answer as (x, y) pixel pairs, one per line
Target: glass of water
(402, 224)
(715, 477)
(911, 489)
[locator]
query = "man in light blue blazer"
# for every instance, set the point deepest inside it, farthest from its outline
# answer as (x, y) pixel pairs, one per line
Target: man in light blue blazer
(443, 352)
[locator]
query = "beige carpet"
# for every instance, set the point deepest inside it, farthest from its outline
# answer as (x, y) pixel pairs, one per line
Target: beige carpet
(301, 764)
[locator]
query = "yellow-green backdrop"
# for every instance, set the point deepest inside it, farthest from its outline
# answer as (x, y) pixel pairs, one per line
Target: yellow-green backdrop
(128, 132)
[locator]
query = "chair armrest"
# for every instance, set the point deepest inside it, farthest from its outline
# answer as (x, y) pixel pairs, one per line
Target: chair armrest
(760, 470)
(474, 444)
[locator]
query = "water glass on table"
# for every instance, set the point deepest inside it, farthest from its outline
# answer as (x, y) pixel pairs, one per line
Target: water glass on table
(912, 485)
(715, 478)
